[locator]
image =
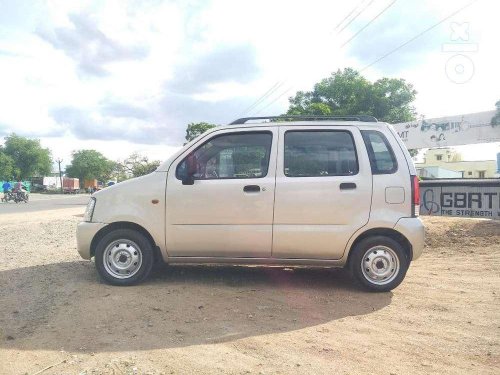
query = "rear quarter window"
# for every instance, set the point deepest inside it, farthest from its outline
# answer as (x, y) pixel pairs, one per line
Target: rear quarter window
(382, 159)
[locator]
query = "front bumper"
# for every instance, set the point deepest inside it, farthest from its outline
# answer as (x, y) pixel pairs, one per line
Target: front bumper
(85, 232)
(413, 229)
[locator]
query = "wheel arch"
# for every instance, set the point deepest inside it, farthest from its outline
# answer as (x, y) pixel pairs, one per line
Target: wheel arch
(387, 232)
(123, 225)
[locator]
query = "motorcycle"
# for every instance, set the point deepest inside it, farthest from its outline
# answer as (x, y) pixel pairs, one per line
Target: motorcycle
(21, 196)
(17, 197)
(9, 196)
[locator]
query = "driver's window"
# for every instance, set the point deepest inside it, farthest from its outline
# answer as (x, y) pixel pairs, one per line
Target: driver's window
(236, 155)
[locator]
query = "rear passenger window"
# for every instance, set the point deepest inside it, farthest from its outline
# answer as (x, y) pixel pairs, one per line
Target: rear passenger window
(382, 159)
(319, 153)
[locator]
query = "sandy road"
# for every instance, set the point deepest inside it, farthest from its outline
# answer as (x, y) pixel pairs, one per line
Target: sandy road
(444, 318)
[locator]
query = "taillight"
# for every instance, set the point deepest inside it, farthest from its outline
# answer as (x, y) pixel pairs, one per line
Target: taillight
(415, 192)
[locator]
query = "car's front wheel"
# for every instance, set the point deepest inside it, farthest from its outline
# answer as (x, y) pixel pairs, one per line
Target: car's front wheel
(379, 263)
(124, 257)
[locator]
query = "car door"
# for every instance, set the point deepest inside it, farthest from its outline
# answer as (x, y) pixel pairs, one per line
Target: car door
(227, 211)
(323, 191)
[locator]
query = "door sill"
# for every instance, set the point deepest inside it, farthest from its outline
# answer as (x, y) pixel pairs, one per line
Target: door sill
(258, 261)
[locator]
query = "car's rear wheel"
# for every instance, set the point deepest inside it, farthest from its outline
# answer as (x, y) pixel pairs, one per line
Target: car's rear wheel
(379, 263)
(124, 257)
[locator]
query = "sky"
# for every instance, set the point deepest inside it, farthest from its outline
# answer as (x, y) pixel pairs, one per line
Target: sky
(128, 76)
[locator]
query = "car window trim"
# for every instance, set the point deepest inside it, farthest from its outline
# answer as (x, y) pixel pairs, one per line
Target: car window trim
(222, 135)
(371, 152)
(322, 130)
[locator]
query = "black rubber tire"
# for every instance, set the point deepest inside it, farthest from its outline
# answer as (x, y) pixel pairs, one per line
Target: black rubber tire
(146, 250)
(358, 254)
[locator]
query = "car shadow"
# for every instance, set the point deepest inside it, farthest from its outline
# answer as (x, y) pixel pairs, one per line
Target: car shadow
(64, 306)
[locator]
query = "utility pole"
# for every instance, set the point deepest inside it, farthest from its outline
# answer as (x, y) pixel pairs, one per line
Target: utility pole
(59, 161)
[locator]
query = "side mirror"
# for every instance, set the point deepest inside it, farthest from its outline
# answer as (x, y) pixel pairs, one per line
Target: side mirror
(191, 165)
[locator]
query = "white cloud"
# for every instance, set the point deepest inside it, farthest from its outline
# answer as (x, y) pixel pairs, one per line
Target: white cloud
(129, 76)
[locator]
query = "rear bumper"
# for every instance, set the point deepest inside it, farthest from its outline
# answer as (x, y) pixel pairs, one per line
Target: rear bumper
(85, 233)
(413, 230)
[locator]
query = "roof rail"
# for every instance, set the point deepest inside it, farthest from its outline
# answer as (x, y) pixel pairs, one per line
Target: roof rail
(362, 118)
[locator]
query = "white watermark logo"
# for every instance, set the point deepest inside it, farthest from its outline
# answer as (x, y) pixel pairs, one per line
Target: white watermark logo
(460, 67)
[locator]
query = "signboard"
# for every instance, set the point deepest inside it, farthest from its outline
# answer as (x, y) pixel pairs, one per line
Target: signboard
(449, 131)
(461, 198)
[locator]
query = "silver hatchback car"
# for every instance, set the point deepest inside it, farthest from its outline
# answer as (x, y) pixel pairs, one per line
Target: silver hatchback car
(294, 191)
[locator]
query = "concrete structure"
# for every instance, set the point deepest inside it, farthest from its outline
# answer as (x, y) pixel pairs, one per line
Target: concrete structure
(447, 159)
(460, 197)
(437, 172)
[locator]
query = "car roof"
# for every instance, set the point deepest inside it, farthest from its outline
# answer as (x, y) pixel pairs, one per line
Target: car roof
(286, 117)
(304, 123)
(304, 120)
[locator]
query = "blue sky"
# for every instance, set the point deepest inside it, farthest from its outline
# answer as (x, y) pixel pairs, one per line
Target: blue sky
(125, 76)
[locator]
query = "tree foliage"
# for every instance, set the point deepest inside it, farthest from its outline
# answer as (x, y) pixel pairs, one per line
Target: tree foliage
(247, 159)
(138, 165)
(496, 119)
(413, 152)
(347, 92)
(7, 168)
(90, 164)
(195, 129)
(27, 156)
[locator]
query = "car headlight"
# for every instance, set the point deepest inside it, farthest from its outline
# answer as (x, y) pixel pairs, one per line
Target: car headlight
(89, 211)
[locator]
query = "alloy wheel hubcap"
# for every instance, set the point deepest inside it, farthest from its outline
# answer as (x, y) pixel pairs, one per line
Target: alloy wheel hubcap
(380, 265)
(122, 259)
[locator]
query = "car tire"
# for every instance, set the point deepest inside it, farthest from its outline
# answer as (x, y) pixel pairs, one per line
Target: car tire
(124, 257)
(379, 263)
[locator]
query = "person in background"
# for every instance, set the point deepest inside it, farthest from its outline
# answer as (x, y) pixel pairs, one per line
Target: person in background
(6, 187)
(18, 187)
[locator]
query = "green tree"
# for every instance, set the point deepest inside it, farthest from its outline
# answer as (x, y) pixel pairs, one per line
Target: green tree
(138, 165)
(392, 98)
(347, 92)
(29, 157)
(195, 129)
(496, 119)
(90, 164)
(7, 169)
(413, 152)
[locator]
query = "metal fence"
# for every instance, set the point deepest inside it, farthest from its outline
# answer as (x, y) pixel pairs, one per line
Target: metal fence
(461, 198)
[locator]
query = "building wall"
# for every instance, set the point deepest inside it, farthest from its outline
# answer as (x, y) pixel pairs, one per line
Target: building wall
(441, 156)
(437, 172)
(450, 159)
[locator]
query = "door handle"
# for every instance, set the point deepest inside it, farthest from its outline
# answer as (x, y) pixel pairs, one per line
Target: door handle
(347, 186)
(251, 189)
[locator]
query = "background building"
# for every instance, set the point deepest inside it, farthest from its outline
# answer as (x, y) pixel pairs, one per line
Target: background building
(448, 163)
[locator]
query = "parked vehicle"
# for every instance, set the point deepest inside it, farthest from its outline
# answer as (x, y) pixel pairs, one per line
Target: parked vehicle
(295, 191)
(90, 185)
(71, 185)
(38, 188)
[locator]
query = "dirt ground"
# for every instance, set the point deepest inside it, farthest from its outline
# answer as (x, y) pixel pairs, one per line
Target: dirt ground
(443, 319)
